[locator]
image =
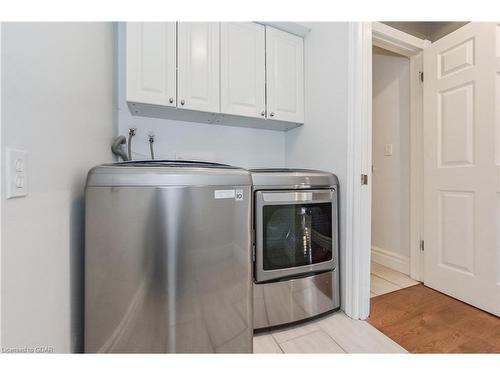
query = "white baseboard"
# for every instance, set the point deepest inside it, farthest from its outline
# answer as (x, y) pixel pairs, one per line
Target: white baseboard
(391, 259)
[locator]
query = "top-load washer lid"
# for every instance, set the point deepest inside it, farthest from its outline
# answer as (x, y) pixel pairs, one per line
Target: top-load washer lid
(167, 173)
(284, 178)
(170, 163)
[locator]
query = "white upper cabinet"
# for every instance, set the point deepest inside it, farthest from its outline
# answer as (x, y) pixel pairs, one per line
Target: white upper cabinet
(229, 73)
(198, 66)
(243, 74)
(151, 63)
(285, 76)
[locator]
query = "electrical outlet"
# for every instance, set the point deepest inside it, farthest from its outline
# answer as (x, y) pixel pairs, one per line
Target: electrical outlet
(17, 173)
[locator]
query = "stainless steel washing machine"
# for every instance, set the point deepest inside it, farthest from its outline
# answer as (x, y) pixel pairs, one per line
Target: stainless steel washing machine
(168, 258)
(295, 226)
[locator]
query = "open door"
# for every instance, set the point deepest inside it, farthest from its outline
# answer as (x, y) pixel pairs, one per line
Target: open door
(461, 179)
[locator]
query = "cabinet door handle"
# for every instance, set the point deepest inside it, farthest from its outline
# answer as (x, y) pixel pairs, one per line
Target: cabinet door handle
(263, 113)
(171, 100)
(271, 114)
(182, 102)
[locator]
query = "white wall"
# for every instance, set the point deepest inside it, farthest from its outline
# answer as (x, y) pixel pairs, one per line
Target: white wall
(243, 147)
(56, 104)
(391, 174)
(322, 142)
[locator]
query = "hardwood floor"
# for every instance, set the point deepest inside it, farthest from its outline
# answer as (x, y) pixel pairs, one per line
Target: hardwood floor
(423, 320)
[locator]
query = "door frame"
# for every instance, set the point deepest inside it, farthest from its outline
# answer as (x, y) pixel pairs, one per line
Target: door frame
(362, 36)
(1, 184)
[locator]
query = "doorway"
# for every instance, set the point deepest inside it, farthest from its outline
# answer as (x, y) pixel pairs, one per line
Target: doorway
(391, 120)
(396, 160)
(461, 144)
(455, 143)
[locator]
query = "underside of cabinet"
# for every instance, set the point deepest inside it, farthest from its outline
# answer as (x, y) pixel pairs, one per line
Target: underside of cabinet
(172, 113)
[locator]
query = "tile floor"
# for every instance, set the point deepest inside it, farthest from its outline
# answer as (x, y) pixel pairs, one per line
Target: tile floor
(385, 280)
(337, 333)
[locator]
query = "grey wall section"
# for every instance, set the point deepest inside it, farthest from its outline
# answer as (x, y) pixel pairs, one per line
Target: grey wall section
(391, 174)
(322, 142)
(57, 104)
(427, 30)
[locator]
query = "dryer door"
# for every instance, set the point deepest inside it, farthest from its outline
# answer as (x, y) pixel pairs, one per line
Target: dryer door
(295, 232)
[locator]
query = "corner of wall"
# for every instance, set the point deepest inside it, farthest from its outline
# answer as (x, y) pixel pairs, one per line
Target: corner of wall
(1, 185)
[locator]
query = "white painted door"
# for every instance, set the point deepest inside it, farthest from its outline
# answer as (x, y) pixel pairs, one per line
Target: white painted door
(198, 66)
(243, 71)
(461, 180)
(285, 76)
(151, 62)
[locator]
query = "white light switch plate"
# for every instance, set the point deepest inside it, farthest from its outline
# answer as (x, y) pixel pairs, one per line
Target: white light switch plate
(17, 173)
(388, 149)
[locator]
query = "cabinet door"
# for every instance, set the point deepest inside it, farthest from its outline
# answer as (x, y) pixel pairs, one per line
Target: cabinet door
(243, 71)
(198, 66)
(151, 62)
(285, 76)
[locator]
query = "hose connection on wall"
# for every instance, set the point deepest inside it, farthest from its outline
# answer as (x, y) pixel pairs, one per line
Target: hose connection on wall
(151, 137)
(131, 134)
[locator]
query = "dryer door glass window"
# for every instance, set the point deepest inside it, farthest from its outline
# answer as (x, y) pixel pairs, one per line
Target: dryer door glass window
(296, 235)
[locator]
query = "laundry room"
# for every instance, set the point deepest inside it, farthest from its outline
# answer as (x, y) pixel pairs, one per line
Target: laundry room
(195, 135)
(249, 132)
(233, 186)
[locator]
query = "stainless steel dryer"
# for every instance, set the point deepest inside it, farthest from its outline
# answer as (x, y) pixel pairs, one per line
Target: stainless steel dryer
(168, 258)
(295, 226)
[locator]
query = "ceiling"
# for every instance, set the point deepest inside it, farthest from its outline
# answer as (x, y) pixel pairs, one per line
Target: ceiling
(427, 30)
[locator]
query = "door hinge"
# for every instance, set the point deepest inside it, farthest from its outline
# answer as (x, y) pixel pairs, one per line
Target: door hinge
(364, 179)
(422, 246)
(421, 75)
